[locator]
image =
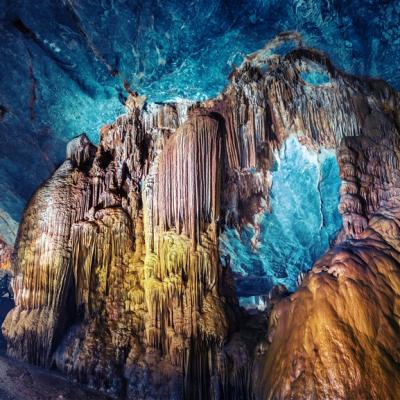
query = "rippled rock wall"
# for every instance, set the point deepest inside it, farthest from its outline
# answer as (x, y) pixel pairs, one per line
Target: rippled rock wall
(118, 277)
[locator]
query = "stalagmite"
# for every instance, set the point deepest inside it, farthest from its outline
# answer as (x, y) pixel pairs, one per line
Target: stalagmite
(42, 271)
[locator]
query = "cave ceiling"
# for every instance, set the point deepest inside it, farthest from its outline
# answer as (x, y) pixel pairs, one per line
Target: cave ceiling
(67, 66)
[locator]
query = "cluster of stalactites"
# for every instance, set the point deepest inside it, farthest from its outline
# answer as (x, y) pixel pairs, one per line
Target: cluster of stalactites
(42, 251)
(324, 115)
(101, 261)
(271, 100)
(126, 153)
(370, 179)
(182, 193)
(118, 168)
(181, 287)
(164, 116)
(248, 144)
(181, 198)
(42, 272)
(246, 114)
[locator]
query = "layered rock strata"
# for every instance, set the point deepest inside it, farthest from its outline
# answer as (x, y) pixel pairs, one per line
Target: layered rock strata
(118, 281)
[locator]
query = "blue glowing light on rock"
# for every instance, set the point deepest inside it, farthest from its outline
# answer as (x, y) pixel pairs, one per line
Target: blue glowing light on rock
(315, 78)
(63, 63)
(79, 53)
(304, 220)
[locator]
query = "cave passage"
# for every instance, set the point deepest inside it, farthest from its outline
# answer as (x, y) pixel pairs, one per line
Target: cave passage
(303, 222)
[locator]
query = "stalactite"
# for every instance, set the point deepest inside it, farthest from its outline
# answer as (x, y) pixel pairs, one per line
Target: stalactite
(189, 161)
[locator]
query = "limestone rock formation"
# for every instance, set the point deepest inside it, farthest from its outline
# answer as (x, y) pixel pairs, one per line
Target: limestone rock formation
(5, 255)
(118, 280)
(336, 337)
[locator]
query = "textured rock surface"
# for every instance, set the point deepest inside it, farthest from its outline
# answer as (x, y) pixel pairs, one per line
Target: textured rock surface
(118, 281)
(303, 220)
(65, 65)
(337, 336)
(5, 255)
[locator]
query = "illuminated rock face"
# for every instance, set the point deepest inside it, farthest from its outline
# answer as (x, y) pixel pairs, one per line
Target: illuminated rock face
(119, 279)
(336, 336)
(5, 255)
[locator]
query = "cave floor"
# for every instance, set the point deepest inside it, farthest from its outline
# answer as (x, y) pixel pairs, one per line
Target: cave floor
(21, 381)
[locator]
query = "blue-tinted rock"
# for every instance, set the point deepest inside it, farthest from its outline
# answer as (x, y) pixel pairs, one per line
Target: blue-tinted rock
(63, 63)
(316, 76)
(304, 220)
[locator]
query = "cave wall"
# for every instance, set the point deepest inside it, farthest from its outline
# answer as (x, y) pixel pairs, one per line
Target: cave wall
(301, 222)
(118, 280)
(68, 66)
